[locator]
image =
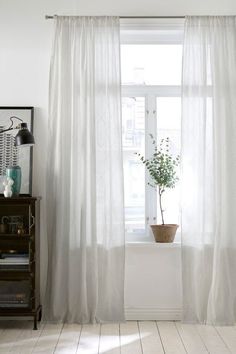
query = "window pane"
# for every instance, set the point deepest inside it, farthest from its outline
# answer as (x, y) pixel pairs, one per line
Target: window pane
(169, 125)
(133, 134)
(151, 64)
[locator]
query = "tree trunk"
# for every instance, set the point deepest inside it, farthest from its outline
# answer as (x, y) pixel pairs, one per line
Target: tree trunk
(160, 204)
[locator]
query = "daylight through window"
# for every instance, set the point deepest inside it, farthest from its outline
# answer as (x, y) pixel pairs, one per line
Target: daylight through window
(151, 104)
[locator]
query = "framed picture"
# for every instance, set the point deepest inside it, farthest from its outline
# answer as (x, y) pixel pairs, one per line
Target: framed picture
(11, 155)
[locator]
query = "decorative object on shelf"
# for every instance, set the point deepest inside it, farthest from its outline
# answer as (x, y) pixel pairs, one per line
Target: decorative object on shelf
(162, 170)
(16, 132)
(20, 229)
(14, 222)
(4, 227)
(14, 172)
(8, 183)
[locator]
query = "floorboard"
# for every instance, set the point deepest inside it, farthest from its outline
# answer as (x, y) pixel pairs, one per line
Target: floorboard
(27, 339)
(110, 339)
(129, 338)
(190, 337)
(48, 339)
(212, 340)
(170, 338)
(89, 339)
(9, 333)
(150, 339)
(69, 339)
(228, 335)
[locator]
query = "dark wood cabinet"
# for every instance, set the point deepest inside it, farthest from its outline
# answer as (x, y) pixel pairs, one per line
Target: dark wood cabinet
(19, 257)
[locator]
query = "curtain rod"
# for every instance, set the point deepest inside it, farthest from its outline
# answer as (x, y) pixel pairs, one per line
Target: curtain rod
(48, 17)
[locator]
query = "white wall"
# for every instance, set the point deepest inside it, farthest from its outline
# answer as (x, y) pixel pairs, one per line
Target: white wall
(25, 45)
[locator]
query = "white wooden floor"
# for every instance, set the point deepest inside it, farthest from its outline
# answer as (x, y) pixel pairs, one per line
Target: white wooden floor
(142, 337)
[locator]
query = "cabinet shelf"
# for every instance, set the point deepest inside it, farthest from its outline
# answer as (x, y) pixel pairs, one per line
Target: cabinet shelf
(15, 268)
(15, 236)
(16, 274)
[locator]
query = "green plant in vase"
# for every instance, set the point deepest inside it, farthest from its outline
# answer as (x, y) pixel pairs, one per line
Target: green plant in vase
(162, 166)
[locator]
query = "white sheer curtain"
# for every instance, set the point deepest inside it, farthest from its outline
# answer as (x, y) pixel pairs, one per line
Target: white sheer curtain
(85, 179)
(209, 170)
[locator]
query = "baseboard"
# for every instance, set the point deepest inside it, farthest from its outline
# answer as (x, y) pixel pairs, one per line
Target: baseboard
(148, 314)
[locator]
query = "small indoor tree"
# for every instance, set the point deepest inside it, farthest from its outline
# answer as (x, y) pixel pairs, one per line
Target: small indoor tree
(162, 169)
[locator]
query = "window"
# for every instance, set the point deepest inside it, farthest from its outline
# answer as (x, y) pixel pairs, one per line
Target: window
(151, 61)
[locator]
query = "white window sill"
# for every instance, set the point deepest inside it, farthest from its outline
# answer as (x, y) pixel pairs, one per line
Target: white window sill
(149, 240)
(153, 244)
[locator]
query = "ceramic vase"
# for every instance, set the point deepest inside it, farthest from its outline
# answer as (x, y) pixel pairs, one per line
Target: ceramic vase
(14, 172)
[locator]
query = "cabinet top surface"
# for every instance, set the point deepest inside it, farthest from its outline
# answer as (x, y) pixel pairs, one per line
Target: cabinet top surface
(19, 199)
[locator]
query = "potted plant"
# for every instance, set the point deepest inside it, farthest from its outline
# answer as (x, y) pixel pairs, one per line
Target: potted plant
(162, 170)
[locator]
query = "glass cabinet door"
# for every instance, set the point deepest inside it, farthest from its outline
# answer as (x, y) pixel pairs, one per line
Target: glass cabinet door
(16, 240)
(15, 294)
(16, 219)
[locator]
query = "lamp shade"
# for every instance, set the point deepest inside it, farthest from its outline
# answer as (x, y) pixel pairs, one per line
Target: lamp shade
(24, 136)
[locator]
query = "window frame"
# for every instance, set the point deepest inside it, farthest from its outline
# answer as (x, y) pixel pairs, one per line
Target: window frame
(139, 33)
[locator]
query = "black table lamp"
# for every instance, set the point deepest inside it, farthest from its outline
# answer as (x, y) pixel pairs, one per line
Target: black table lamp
(24, 137)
